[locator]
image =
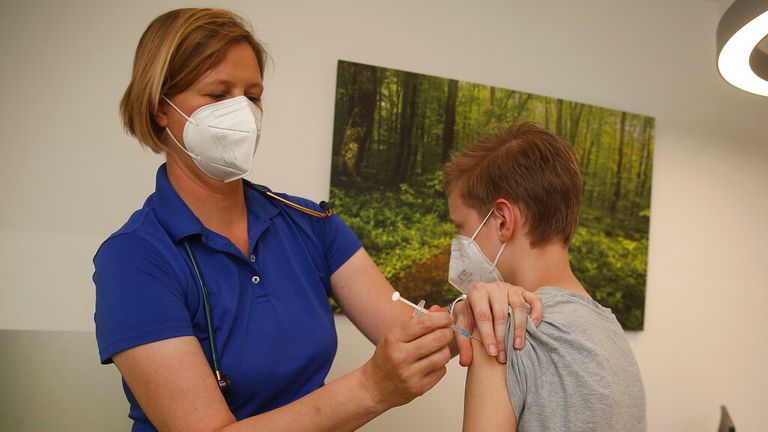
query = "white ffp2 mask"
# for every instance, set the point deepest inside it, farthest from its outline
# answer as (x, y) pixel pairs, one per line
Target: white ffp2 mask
(469, 265)
(222, 137)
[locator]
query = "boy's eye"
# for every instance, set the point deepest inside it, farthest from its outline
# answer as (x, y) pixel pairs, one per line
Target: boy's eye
(216, 96)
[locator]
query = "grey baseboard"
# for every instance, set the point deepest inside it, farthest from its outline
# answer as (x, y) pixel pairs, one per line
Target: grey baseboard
(53, 381)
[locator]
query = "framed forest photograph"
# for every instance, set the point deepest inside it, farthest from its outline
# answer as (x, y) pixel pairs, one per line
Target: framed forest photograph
(393, 132)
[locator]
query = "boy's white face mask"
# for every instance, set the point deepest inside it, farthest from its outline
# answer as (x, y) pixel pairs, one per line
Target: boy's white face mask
(221, 138)
(469, 264)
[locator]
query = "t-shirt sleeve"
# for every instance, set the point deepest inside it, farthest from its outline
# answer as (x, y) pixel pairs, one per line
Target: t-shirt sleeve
(339, 243)
(138, 298)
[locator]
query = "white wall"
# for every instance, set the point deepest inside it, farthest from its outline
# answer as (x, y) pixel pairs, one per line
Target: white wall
(70, 177)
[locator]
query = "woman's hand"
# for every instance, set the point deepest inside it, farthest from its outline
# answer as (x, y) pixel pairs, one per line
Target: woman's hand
(410, 359)
(487, 306)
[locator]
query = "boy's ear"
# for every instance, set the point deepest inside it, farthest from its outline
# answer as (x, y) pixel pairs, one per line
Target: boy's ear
(509, 218)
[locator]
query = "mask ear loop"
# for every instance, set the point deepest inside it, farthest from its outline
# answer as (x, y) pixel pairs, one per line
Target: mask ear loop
(193, 156)
(498, 255)
(178, 110)
(477, 231)
(168, 131)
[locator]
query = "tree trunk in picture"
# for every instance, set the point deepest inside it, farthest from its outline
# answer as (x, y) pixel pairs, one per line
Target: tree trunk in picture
(366, 90)
(492, 97)
(594, 139)
(362, 107)
(521, 108)
(503, 105)
(407, 117)
(341, 112)
(573, 131)
(379, 109)
(591, 161)
(490, 111)
(559, 118)
(584, 135)
(417, 143)
(393, 145)
(449, 124)
(644, 165)
(619, 163)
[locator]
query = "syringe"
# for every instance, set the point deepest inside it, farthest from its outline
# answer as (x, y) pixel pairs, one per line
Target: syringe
(419, 309)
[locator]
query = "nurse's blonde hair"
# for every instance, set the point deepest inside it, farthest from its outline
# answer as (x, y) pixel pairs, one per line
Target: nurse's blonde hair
(177, 48)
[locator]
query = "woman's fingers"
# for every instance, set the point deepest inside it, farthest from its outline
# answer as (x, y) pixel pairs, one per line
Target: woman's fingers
(516, 301)
(462, 315)
(480, 299)
(429, 344)
(537, 311)
(423, 324)
(500, 309)
(490, 304)
(410, 359)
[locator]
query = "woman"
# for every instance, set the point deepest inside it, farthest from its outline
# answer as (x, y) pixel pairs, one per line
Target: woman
(214, 273)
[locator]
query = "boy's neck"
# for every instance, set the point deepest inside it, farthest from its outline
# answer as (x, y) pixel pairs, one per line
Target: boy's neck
(547, 265)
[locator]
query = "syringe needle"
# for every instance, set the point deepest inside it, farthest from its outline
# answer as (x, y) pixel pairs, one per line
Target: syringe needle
(463, 332)
(420, 309)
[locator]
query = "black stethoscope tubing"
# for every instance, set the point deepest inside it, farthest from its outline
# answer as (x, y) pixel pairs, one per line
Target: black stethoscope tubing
(225, 384)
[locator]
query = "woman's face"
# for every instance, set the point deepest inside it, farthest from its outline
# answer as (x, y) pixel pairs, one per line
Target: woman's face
(237, 75)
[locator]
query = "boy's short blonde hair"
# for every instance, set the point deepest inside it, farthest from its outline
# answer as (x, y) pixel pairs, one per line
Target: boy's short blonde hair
(529, 166)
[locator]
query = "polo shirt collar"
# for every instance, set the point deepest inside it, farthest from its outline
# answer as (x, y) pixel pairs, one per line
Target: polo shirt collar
(261, 211)
(172, 212)
(179, 221)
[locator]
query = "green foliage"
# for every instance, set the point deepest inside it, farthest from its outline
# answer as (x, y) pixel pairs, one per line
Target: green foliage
(400, 226)
(612, 269)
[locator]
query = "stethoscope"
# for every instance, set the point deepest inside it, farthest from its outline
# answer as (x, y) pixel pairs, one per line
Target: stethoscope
(225, 385)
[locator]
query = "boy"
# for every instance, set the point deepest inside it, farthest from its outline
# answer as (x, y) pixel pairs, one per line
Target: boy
(514, 197)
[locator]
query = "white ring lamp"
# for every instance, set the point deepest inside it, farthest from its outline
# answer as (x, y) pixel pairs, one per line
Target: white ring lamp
(740, 62)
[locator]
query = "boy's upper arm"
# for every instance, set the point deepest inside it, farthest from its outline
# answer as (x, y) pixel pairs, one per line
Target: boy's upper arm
(487, 404)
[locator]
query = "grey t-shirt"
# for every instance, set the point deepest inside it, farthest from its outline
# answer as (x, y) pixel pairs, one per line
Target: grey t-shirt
(576, 371)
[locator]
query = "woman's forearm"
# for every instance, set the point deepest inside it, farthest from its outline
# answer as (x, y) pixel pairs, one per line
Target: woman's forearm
(344, 404)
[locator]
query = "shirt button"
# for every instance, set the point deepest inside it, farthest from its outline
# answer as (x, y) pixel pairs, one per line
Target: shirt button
(255, 279)
(253, 258)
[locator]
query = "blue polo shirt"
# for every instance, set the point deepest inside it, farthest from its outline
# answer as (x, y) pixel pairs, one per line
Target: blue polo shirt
(274, 328)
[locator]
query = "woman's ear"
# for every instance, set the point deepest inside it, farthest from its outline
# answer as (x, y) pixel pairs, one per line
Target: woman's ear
(160, 115)
(509, 218)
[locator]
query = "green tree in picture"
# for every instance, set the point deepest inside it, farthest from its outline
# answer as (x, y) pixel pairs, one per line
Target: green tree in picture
(394, 131)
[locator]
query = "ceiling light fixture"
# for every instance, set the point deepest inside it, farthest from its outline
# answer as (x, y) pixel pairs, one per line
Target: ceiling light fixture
(740, 61)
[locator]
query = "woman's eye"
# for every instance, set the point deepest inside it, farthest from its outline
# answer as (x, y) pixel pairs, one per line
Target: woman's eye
(216, 96)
